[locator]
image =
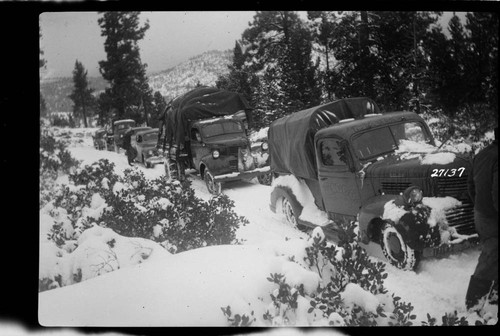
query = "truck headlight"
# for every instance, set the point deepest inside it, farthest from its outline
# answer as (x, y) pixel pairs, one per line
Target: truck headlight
(413, 195)
(265, 146)
(215, 154)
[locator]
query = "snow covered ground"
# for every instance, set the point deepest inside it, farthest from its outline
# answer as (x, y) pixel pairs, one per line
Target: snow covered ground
(189, 288)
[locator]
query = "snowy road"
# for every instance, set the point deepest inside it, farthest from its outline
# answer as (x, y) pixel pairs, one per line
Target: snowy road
(437, 287)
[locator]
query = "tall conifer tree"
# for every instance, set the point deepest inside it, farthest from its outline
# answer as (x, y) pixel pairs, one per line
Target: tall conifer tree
(83, 100)
(129, 91)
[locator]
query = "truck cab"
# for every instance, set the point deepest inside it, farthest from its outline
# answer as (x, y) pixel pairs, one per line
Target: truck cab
(383, 172)
(220, 151)
(206, 130)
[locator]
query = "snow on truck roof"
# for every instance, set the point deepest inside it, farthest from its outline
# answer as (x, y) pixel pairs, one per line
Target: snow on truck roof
(123, 121)
(344, 130)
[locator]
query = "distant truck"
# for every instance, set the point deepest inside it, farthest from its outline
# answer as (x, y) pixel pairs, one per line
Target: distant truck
(379, 170)
(144, 143)
(206, 130)
(119, 129)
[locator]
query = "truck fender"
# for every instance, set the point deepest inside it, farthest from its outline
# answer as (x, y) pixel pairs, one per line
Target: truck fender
(370, 217)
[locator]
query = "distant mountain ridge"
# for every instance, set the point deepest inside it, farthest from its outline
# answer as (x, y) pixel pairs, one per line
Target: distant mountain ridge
(203, 69)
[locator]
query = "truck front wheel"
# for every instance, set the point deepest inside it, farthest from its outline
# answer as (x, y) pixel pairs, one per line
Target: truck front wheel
(396, 250)
(215, 188)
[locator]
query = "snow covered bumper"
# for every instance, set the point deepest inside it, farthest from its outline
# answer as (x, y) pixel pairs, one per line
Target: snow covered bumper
(152, 160)
(248, 174)
(454, 246)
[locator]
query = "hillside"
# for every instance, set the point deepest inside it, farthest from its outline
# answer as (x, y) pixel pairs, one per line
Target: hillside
(56, 91)
(203, 69)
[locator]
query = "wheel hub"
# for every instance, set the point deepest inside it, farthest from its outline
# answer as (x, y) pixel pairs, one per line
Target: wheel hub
(394, 245)
(288, 211)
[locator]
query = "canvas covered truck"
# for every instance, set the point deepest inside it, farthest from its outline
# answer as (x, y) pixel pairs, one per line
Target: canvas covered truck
(206, 129)
(379, 171)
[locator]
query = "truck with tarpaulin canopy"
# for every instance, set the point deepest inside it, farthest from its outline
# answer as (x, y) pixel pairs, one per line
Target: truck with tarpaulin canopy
(207, 129)
(381, 172)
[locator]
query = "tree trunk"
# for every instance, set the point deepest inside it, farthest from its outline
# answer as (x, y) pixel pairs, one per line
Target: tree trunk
(84, 113)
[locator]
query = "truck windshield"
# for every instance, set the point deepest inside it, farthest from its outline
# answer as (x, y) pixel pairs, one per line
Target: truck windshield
(153, 136)
(123, 126)
(376, 142)
(221, 128)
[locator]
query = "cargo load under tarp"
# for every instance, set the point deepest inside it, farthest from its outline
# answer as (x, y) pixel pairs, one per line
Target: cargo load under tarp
(202, 103)
(291, 138)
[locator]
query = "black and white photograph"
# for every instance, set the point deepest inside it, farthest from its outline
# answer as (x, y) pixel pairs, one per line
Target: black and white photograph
(268, 168)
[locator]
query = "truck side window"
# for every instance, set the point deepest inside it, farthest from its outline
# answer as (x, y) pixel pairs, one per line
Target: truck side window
(195, 135)
(332, 153)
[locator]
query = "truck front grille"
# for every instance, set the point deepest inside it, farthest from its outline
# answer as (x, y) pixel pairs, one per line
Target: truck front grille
(233, 164)
(452, 186)
(462, 216)
(394, 188)
(227, 151)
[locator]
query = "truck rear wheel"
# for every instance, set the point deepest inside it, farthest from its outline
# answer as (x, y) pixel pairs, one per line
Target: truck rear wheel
(396, 250)
(215, 188)
(291, 210)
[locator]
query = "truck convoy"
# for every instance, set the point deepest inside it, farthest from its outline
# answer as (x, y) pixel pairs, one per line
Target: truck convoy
(381, 171)
(206, 129)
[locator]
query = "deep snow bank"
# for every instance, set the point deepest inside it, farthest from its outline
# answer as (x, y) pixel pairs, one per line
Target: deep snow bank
(187, 289)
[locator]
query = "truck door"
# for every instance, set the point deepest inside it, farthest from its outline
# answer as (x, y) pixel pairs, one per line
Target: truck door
(337, 183)
(133, 144)
(197, 150)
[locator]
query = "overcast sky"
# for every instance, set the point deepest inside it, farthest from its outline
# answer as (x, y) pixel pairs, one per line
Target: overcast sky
(173, 37)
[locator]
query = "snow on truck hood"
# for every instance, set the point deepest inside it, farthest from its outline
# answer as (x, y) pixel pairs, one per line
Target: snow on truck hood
(425, 153)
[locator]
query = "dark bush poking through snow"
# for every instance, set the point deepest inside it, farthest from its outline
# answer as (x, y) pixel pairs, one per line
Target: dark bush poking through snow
(165, 212)
(351, 292)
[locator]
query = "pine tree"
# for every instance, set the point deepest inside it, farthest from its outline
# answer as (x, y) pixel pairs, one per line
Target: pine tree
(83, 100)
(278, 49)
(105, 109)
(322, 24)
(129, 91)
(483, 50)
(445, 78)
(463, 69)
(379, 54)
